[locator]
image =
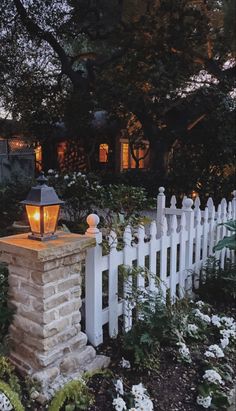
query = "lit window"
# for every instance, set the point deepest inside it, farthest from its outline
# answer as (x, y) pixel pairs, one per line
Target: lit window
(61, 151)
(103, 153)
(125, 156)
(38, 158)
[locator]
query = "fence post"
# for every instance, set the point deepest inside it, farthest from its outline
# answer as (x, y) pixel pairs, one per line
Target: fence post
(189, 213)
(161, 203)
(93, 284)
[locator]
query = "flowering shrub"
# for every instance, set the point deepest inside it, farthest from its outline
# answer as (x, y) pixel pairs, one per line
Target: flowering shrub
(117, 205)
(136, 400)
(80, 192)
(217, 373)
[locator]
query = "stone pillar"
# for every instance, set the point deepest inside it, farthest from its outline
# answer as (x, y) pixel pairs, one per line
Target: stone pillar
(45, 291)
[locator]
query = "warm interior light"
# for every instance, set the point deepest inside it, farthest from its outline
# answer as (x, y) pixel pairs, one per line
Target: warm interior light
(33, 213)
(50, 214)
(36, 216)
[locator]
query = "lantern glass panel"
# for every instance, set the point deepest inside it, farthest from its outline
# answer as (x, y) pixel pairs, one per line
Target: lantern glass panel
(50, 216)
(33, 213)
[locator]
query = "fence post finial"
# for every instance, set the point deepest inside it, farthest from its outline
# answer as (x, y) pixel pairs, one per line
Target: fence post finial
(161, 203)
(188, 203)
(93, 231)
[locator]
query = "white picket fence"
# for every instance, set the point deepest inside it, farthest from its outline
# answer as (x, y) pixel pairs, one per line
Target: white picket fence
(177, 245)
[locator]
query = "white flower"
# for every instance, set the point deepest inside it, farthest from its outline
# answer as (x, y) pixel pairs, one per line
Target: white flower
(204, 401)
(50, 171)
(216, 320)
(203, 317)
(66, 177)
(144, 404)
(119, 387)
(200, 304)
(216, 350)
(124, 363)
(56, 176)
(184, 352)
(228, 333)
(119, 404)
(229, 321)
(192, 328)
(138, 390)
(209, 354)
(213, 376)
(224, 342)
(5, 404)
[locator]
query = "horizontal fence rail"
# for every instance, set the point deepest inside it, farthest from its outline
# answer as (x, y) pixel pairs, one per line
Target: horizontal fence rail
(177, 245)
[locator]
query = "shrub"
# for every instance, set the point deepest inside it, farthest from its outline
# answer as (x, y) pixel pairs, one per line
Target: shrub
(117, 204)
(10, 197)
(158, 324)
(8, 375)
(228, 241)
(5, 311)
(81, 193)
(74, 396)
(12, 396)
(218, 285)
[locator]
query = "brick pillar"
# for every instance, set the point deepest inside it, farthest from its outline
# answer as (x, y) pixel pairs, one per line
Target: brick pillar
(45, 291)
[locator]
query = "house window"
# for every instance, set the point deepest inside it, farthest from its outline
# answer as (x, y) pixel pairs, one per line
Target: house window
(61, 151)
(127, 160)
(103, 153)
(38, 158)
(125, 156)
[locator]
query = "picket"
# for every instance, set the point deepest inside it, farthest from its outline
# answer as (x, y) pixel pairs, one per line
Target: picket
(127, 238)
(174, 252)
(113, 285)
(173, 258)
(198, 237)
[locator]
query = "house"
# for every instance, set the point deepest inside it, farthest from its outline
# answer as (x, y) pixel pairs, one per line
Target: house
(113, 149)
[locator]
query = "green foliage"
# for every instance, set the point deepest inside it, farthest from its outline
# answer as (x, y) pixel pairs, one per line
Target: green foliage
(7, 373)
(228, 241)
(218, 285)
(12, 396)
(10, 196)
(73, 396)
(80, 192)
(158, 324)
(5, 311)
(83, 193)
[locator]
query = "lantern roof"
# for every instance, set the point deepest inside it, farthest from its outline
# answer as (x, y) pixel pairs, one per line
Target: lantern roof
(42, 194)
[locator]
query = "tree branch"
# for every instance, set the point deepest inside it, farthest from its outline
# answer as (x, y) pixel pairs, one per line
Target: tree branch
(36, 31)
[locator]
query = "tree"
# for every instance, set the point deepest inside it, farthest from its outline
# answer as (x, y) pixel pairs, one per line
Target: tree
(130, 56)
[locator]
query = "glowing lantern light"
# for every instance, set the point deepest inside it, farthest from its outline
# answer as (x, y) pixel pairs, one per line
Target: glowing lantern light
(42, 208)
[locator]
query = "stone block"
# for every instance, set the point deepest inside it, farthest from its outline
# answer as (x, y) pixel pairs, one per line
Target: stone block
(49, 375)
(69, 308)
(56, 301)
(55, 327)
(69, 284)
(20, 271)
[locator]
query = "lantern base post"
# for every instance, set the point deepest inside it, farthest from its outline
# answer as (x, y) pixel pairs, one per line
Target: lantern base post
(43, 238)
(45, 291)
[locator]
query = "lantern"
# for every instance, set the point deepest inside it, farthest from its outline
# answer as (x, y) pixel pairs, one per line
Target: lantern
(42, 208)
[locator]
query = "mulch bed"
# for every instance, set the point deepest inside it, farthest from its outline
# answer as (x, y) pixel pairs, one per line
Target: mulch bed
(172, 388)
